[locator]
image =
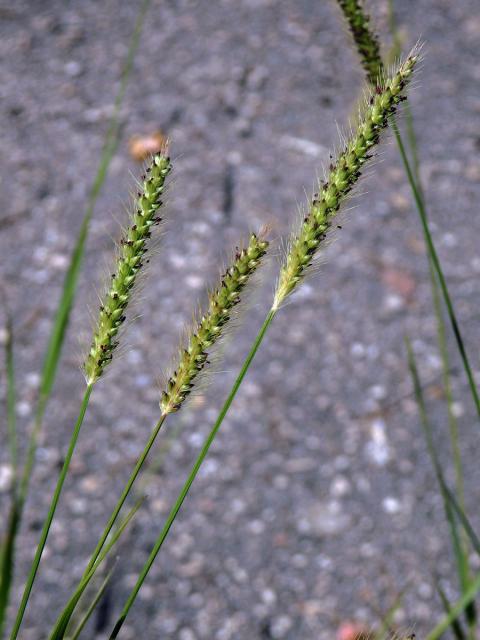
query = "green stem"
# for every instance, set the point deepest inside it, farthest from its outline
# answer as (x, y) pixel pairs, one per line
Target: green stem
(193, 473)
(452, 420)
(31, 451)
(63, 619)
(412, 142)
(121, 501)
(51, 512)
(125, 494)
(438, 269)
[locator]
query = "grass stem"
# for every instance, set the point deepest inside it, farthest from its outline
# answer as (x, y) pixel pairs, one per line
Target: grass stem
(51, 512)
(124, 494)
(193, 473)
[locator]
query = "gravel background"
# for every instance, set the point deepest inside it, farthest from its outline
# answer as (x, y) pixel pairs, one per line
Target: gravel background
(318, 503)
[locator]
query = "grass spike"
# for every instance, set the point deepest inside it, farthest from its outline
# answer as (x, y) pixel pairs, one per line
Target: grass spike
(366, 40)
(344, 173)
(133, 247)
(208, 331)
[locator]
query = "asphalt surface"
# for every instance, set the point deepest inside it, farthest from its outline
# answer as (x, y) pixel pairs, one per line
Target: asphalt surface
(318, 503)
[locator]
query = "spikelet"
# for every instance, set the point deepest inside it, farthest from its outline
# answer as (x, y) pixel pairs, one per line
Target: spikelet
(193, 358)
(132, 248)
(365, 39)
(341, 179)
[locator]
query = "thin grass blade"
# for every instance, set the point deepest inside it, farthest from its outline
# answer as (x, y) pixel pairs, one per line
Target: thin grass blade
(7, 556)
(8, 562)
(93, 605)
(50, 515)
(456, 625)
(461, 557)
(474, 539)
(456, 610)
(11, 396)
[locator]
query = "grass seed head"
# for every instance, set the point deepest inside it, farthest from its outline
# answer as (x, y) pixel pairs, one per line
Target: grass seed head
(132, 248)
(209, 329)
(365, 39)
(343, 175)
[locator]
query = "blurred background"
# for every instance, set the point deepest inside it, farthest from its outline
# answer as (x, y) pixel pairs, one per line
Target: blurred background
(318, 504)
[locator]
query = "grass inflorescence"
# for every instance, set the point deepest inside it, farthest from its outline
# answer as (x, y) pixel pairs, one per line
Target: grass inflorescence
(365, 38)
(343, 176)
(344, 173)
(133, 247)
(209, 329)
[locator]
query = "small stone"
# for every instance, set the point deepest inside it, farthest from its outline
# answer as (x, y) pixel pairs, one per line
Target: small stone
(6, 475)
(391, 505)
(340, 487)
(377, 449)
(24, 409)
(280, 626)
(269, 597)
(194, 282)
(59, 261)
(324, 519)
(142, 147)
(73, 69)
(393, 302)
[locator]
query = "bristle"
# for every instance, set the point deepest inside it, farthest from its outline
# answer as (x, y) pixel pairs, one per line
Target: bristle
(365, 39)
(342, 177)
(132, 249)
(222, 300)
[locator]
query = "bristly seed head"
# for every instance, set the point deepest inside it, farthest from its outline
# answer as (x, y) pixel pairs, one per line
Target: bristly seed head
(344, 173)
(365, 39)
(132, 248)
(194, 357)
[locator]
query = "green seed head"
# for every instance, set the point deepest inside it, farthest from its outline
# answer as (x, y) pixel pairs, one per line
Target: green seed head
(133, 247)
(365, 39)
(341, 179)
(222, 300)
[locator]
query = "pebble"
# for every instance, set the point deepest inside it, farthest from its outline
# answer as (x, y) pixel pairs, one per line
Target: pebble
(391, 505)
(280, 626)
(377, 449)
(298, 520)
(324, 519)
(6, 475)
(73, 69)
